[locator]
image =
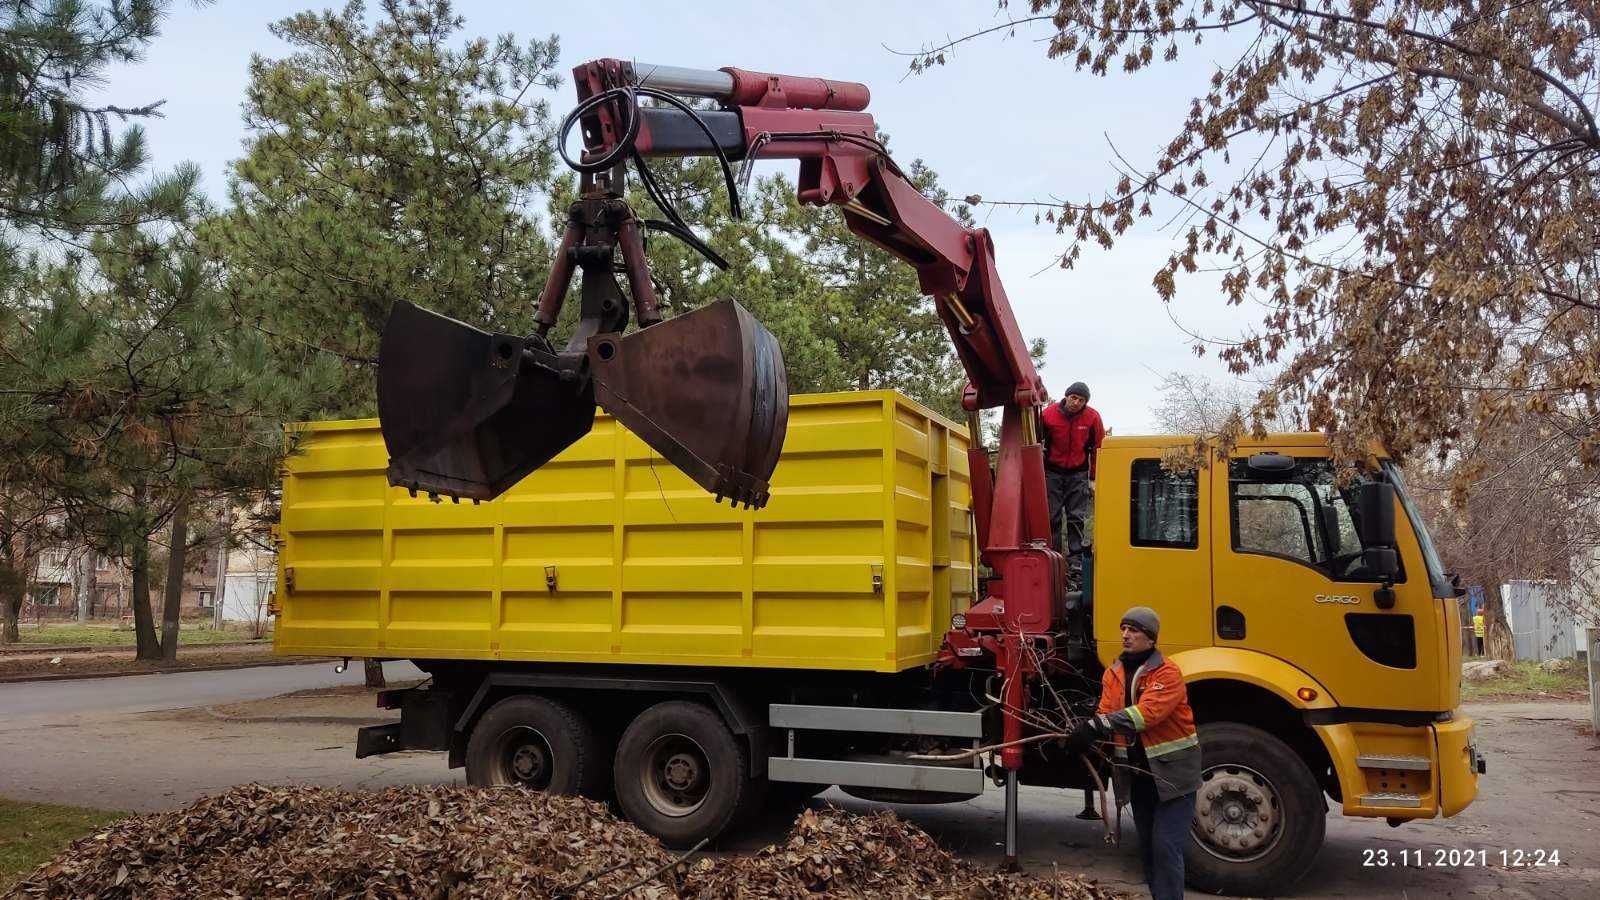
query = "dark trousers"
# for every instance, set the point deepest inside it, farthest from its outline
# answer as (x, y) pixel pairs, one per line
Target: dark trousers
(1163, 832)
(1070, 502)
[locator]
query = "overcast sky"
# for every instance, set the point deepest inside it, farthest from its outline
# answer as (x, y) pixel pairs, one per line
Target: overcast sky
(1000, 120)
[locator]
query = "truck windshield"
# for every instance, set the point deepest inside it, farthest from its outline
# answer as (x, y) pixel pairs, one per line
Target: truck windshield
(1430, 554)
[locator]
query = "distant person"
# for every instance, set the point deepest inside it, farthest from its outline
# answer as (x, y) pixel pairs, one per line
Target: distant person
(1144, 707)
(1072, 436)
(1477, 632)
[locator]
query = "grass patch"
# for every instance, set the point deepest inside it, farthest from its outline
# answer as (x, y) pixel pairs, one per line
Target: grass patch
(72, 635)
(1525, 680)
(33, 833)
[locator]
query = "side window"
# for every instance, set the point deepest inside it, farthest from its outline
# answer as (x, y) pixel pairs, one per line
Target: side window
(1276, 519)
(1166, 506)
(1302, 517)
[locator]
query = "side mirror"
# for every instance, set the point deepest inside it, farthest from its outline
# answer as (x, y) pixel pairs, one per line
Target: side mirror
(1375, 504)
(1382, 562)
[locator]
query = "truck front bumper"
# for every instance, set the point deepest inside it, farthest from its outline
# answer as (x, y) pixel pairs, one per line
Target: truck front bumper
(1460, 763)
(1401, 772)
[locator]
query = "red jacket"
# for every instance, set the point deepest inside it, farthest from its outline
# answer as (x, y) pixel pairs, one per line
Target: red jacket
(1069, 439)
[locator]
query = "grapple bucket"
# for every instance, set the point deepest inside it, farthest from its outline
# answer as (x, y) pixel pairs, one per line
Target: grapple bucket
(707, 390)
(468, 413)
(464, 412)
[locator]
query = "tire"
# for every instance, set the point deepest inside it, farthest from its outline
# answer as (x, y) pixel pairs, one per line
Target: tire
(1252, 778)
(681, 775)
(539, 743)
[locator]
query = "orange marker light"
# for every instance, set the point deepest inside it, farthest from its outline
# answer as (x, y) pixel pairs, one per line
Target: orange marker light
(1306, 694)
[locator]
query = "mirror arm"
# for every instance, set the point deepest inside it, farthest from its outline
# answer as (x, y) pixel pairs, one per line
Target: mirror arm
(1383, 597)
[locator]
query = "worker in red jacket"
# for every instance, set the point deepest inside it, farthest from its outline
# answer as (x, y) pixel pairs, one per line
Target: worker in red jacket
(1073, 434)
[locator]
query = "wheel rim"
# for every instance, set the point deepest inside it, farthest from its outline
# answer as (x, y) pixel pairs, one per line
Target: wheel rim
(675, 775)
(1238, 817)
(524, 757)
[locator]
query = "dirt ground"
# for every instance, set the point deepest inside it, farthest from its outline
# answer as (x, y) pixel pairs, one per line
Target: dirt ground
(112, 660)
(1542, 791)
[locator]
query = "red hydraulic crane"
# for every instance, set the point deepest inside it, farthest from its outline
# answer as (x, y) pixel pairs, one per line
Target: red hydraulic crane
(493, 407)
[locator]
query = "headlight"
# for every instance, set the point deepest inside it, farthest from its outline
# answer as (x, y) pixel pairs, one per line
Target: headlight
(958, 622)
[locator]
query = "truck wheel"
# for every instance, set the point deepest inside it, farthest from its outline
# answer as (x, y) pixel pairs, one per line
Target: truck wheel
(681, 774)
(1259, 818)
(538, 743)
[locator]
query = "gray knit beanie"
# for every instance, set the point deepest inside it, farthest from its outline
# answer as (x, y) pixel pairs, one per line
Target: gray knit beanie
(1143, 618)
(1080, 389)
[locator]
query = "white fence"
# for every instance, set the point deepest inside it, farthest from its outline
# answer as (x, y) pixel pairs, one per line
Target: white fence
(1543, 623)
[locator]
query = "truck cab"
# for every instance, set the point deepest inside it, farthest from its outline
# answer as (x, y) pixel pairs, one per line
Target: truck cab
(1288, 639)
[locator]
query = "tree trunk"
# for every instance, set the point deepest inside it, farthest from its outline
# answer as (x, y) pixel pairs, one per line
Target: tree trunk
(173, 608)
(11, 591)
(15, 563)
(219, 611)
(144, 625)
(374, 670)
(1497, 640)
(83, 584)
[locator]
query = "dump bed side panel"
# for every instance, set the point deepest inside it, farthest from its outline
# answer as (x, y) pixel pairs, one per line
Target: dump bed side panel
(610, 554)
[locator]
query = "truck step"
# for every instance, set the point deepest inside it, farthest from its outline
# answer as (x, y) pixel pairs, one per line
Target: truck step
(1407, 763)
(1391, 799)
(947, 779)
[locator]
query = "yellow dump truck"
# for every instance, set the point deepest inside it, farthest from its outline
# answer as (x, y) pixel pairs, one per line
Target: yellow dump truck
(605, 628)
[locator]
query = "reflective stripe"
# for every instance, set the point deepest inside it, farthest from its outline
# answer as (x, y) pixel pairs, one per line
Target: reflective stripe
(1136, 716)
(1164, 748)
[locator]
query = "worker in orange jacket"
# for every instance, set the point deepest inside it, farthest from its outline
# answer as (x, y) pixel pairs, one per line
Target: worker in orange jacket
(1157, 749)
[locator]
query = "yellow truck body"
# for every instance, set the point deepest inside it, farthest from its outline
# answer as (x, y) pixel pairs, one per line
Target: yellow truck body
(610, 554)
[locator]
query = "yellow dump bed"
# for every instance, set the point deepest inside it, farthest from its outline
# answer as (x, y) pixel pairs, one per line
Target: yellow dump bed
(610, 554)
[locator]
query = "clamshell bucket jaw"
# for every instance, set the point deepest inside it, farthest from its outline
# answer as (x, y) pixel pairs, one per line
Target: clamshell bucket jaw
(707, 390)
(469, 413)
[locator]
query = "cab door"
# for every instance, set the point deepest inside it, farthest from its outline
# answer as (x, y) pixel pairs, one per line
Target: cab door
(1152, 533)
(1289, 579)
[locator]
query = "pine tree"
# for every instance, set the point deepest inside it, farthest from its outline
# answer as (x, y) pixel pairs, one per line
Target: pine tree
(387, 162)
(134, 397)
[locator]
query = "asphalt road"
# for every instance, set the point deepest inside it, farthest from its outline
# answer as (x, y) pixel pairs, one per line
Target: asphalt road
(155, 742)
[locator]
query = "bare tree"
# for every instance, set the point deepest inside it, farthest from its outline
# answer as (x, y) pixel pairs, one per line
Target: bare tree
(1408, 189)
(1515, 505)
(1195, 404)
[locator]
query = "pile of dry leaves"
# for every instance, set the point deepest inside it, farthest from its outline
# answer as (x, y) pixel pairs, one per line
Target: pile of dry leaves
(258, 841)
(841, 854)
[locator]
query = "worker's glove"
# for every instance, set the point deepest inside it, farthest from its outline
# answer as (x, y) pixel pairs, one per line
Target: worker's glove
(1083, 737)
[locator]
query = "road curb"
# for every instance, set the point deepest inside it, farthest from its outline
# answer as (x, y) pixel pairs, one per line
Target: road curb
(300, 720)
(80, 676)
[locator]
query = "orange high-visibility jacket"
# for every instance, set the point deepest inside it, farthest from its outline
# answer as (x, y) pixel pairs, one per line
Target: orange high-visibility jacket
(1161, 720)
